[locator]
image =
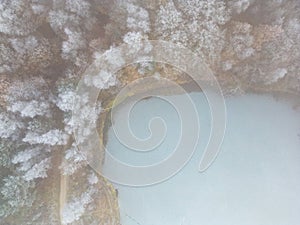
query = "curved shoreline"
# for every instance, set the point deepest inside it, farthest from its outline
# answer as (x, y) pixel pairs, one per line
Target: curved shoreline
(104, 120)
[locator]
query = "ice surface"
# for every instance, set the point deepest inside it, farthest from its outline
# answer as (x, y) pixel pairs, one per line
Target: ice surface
(254, 181)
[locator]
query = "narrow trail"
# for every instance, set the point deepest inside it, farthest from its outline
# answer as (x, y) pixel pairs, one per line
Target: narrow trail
(107, 208)
(62, 194)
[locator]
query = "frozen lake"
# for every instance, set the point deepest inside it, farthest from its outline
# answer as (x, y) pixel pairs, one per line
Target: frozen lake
(255, 180)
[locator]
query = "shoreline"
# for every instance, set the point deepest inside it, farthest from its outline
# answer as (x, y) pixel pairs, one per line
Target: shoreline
(189, 87)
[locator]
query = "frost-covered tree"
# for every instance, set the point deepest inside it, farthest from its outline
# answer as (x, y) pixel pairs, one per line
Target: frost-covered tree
(76, 208)
(239, 6)
(7, 56)
(25, 155)
(18, 18)
(15, 193)
(74, 22)
(92, 178)
(52, 137)
(24, 45)
(59, 19)
(85, 116)
(39, 170)
(7, 148)
(169, 20)
(29, 132)
(9, 126)
(195, 24)
(30, 108)
(28, 54)
(73, 161)
(134, 40)
(114, 57)
(72, 46)
(104, 80)
(137, 19)
(79, 7)
(70, 14)
(242, 40)
(29, 157)
(65, 98)
(33, 90)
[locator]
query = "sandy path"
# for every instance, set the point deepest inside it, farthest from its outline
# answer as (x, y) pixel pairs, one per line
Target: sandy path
(62, 194)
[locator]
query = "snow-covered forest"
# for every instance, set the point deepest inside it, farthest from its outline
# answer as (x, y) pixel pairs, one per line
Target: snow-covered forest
(45, 47)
